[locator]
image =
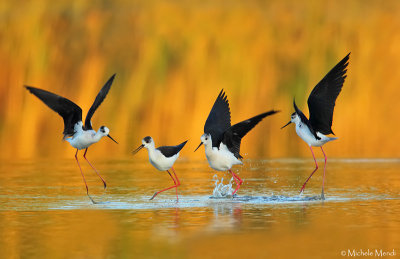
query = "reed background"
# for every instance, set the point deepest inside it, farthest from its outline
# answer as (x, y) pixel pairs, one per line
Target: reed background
(173, 57)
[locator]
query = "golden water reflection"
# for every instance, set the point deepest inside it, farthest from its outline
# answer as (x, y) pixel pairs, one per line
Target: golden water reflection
(39, 217)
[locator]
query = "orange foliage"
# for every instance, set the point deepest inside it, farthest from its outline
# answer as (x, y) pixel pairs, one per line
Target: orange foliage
(173, 57)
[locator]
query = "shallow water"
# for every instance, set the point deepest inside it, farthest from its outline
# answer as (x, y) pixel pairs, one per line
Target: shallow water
(45, 213)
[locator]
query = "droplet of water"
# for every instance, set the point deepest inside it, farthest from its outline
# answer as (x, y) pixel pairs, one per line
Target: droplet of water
(222, 190)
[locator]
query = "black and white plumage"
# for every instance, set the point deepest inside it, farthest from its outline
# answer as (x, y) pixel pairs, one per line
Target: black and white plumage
(219, 119)
(222, 141)
(162, 158)
(321, 104)
(70, 112)
(78, 135)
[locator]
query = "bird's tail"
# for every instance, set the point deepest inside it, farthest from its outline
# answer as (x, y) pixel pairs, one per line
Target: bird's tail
(328, 139)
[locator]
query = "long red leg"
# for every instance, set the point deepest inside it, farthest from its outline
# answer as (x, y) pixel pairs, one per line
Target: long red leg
(236, 181)
(179, 183)
(155, 194)
(323, 179)
(104, 182)
(176, 189)
(316, 168)
(83, 177)
(238, 184)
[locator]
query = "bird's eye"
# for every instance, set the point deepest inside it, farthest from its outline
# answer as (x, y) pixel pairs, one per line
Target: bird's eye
(206, 138)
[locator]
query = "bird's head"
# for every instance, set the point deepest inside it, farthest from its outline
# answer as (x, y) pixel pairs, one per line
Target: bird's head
(147, 142)
(295, 117)
(104, 131)
(205, 139)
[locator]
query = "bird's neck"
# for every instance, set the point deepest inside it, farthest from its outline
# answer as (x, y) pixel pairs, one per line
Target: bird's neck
(208, 148)
(98, 136)
(78, 127)
(151, 150)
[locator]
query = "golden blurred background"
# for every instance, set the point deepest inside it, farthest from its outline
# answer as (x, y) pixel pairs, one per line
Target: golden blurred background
(173, 57)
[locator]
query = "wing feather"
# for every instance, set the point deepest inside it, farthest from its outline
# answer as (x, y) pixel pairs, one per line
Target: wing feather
(169, 151)
(321, 101)
(99, 99)
(233, 136)
(219, 119)
(68, 110)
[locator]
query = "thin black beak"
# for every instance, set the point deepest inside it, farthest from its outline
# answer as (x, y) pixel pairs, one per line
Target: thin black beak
(138, 149)
(112, 139)
(201, 143)
(287, 124)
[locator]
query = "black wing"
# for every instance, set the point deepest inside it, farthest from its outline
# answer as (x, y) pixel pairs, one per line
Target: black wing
(99, 99)
(70, 112)
(169, 151)
(219, 119)
(234, 135)
(321, 102)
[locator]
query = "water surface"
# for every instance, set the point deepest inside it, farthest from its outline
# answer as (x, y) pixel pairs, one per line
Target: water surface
(45, 213)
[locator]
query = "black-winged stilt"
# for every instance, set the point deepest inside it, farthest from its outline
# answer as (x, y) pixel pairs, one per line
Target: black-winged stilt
(222, 141)
(162, 158)
(78, 135)
(321, 104)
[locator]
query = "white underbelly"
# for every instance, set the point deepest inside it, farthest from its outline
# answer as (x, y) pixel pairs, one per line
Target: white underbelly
(162, 163)
(82, 141)
(306, 135)
(221, 160)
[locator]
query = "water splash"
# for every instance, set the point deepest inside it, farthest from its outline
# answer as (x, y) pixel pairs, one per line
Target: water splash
(222, 190)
